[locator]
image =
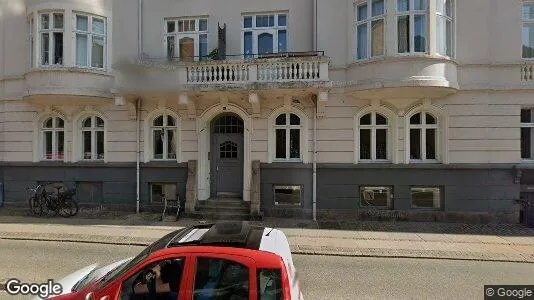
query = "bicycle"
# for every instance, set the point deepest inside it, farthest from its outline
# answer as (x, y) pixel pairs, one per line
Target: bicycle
(52, 204)
(35, 198)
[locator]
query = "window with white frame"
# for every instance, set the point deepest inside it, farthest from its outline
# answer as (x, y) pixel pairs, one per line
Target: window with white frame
(264, 34)
(445, 27)
(90, 40)
(373, 137)
(186, 39)
(288, 136)
(527, 133)
(423, 131)
(527, 34)
(51, 29)
(53, 138)
(412, 26)
(370, 29)
(164, 131)
(31, 42)
(92, 138)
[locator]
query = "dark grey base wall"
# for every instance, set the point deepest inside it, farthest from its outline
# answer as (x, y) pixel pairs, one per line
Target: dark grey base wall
(99, 184)
(476, 191)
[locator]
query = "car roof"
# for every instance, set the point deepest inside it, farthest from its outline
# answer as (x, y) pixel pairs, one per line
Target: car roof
(231, 237)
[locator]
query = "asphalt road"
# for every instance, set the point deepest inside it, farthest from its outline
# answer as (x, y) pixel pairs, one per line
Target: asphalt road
(322, 277)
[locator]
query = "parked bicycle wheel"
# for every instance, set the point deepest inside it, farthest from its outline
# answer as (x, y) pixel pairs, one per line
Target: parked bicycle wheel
(69, 208)
(35, 205)
(50, 205)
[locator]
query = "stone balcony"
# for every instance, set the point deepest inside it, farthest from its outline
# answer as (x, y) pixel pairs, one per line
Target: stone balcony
(291, 72)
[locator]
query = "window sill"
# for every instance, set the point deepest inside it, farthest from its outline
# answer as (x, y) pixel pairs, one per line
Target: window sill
(287, 160)
(425, 161)
(73, 69)
(376, 161)
(401, 56)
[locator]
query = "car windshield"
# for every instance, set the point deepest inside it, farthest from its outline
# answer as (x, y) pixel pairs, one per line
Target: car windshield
(157, 245)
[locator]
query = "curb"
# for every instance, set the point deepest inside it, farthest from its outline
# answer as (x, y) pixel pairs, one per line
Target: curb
(302, 250)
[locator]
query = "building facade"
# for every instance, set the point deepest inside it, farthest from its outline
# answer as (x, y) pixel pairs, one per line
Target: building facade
(404, 109)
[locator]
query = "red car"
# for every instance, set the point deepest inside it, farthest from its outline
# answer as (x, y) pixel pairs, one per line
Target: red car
(226, 260)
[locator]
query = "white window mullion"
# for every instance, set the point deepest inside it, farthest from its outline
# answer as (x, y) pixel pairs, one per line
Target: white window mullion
(423, 143)
(288, 136)
(93, 138)
(54, 143)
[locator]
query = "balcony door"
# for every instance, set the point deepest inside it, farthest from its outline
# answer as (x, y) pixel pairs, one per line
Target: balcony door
(187, 47)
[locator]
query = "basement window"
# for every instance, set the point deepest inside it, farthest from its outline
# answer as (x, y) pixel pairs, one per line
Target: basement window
(375, 197)
(287, 195)
(426, 197)
(160, 190)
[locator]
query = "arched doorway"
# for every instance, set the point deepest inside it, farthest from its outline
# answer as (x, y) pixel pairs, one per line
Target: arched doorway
(226, 156)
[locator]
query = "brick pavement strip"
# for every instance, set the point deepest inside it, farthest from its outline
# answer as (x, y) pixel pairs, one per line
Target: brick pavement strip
(317, 246)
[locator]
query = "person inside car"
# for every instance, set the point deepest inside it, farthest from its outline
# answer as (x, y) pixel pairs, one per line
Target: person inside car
(161, 281)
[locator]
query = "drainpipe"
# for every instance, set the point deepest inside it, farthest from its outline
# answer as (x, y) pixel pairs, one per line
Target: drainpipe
(138, 150)
(139, 29)
(315, 27)
(315, 161)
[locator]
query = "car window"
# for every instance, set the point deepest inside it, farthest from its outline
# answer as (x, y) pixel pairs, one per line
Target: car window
(217, 278)
(269, 284)
(157, 245)
(159, 280)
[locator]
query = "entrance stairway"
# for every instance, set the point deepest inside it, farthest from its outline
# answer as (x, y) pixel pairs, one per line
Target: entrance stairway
(222, 208)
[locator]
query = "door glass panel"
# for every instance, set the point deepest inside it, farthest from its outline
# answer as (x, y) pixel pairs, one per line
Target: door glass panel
(420, 33)
(228, 149)
(365, 143)
(280, 143)
(248, 44)
(187, 49)
(48, 144)
(60, 144)
(403, 35)
(171, 144)
(217, 278)
(87, 145)
(100, 145)
(158, 144)
(415, 143)
(431, 144)
(381, 144)
(265, 43)
(294, 143)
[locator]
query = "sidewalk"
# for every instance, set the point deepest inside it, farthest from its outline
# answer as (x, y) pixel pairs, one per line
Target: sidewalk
(511, 243)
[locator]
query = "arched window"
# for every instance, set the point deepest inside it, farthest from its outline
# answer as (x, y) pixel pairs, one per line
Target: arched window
(423, 131)
(53, 138)
(164, 130)
(373, 137)
(92, 138)
(288, 137)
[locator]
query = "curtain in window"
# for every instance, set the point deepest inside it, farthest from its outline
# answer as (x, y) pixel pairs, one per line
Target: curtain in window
(97, 52)
(403, 25)
(362, 41)
(377, 36)
(81, 50)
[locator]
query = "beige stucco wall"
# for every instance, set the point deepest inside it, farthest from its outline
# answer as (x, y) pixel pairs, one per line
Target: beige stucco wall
(482, 109)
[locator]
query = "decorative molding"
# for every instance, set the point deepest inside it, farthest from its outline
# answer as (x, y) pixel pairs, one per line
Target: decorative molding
(254, 99)
(132, 110)
(184, 99)
(322, 99)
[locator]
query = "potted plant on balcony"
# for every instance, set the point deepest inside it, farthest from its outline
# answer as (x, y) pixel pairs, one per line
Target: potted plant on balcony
(214, 54)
